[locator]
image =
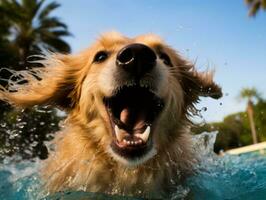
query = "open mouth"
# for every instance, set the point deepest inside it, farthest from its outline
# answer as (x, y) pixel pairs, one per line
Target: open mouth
(133, 111)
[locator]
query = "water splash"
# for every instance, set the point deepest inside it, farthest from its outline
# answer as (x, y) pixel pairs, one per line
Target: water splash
(19, 179)
(227, 177)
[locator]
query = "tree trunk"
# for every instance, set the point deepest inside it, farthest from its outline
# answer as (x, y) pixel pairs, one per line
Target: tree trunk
(251, 122)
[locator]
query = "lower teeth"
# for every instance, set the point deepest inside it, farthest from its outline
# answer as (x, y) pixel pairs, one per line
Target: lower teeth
(138, 142)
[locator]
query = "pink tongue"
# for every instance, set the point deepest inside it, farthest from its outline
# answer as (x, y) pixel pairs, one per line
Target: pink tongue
(132, 117)
(124, 115)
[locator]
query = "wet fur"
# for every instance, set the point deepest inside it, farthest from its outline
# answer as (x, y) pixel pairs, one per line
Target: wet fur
(81, 160)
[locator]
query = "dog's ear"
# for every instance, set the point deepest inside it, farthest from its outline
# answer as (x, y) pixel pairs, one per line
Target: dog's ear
(57, 83)
(196, 84)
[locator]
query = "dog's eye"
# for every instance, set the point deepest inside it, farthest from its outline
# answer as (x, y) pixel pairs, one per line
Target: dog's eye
(100, 56)
(166, 59)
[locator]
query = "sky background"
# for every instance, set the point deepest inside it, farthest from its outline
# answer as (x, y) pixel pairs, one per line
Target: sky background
(218, 34)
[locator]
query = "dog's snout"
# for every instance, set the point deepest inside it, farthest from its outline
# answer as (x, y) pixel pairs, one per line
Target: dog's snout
(136, 59)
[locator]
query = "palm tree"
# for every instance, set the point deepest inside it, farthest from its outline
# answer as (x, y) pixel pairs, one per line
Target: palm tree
(251, 94)
(30, 28)
(255, 6)
(6, 54)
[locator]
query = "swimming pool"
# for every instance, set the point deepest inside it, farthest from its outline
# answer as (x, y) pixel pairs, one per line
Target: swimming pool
(227, 177)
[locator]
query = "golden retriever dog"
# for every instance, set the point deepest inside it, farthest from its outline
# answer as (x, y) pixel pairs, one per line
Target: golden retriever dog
(129, 103)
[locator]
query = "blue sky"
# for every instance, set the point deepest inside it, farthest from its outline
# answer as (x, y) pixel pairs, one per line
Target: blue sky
(216, 33)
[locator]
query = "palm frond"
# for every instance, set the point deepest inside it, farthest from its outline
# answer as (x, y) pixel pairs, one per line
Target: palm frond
(32, 7)
(263, 4)
(51, 22)
(60, 33)
(249, 93)
(254, 8)
(56, 45)
(48, 9)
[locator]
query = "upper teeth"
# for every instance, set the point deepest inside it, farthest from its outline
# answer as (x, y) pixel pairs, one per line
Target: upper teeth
(118, 134)
(145, 135)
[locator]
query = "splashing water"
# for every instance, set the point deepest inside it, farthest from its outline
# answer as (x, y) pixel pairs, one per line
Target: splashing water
(227, 177)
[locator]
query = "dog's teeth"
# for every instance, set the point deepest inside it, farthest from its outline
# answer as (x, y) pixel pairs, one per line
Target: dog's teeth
(118, 133)
(145, 135)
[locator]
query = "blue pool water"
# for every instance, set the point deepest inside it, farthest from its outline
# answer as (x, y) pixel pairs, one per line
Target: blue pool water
(228, 177)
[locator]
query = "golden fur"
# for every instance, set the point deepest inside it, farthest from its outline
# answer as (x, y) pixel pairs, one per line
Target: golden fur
(82, 160)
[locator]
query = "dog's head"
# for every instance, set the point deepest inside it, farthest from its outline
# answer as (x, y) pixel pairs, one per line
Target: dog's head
(131, 94)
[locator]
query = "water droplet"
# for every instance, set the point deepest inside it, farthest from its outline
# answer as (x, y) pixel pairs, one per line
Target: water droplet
(3, 125)
(204, 109)
(19, 119)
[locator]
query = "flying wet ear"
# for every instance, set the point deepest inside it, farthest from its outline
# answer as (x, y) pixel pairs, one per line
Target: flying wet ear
(196, 84)
(57, 83)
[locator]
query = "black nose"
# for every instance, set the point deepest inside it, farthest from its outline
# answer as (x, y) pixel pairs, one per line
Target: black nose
(136, 59)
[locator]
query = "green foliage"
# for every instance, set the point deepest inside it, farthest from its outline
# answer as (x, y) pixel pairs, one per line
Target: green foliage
(234, 130)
